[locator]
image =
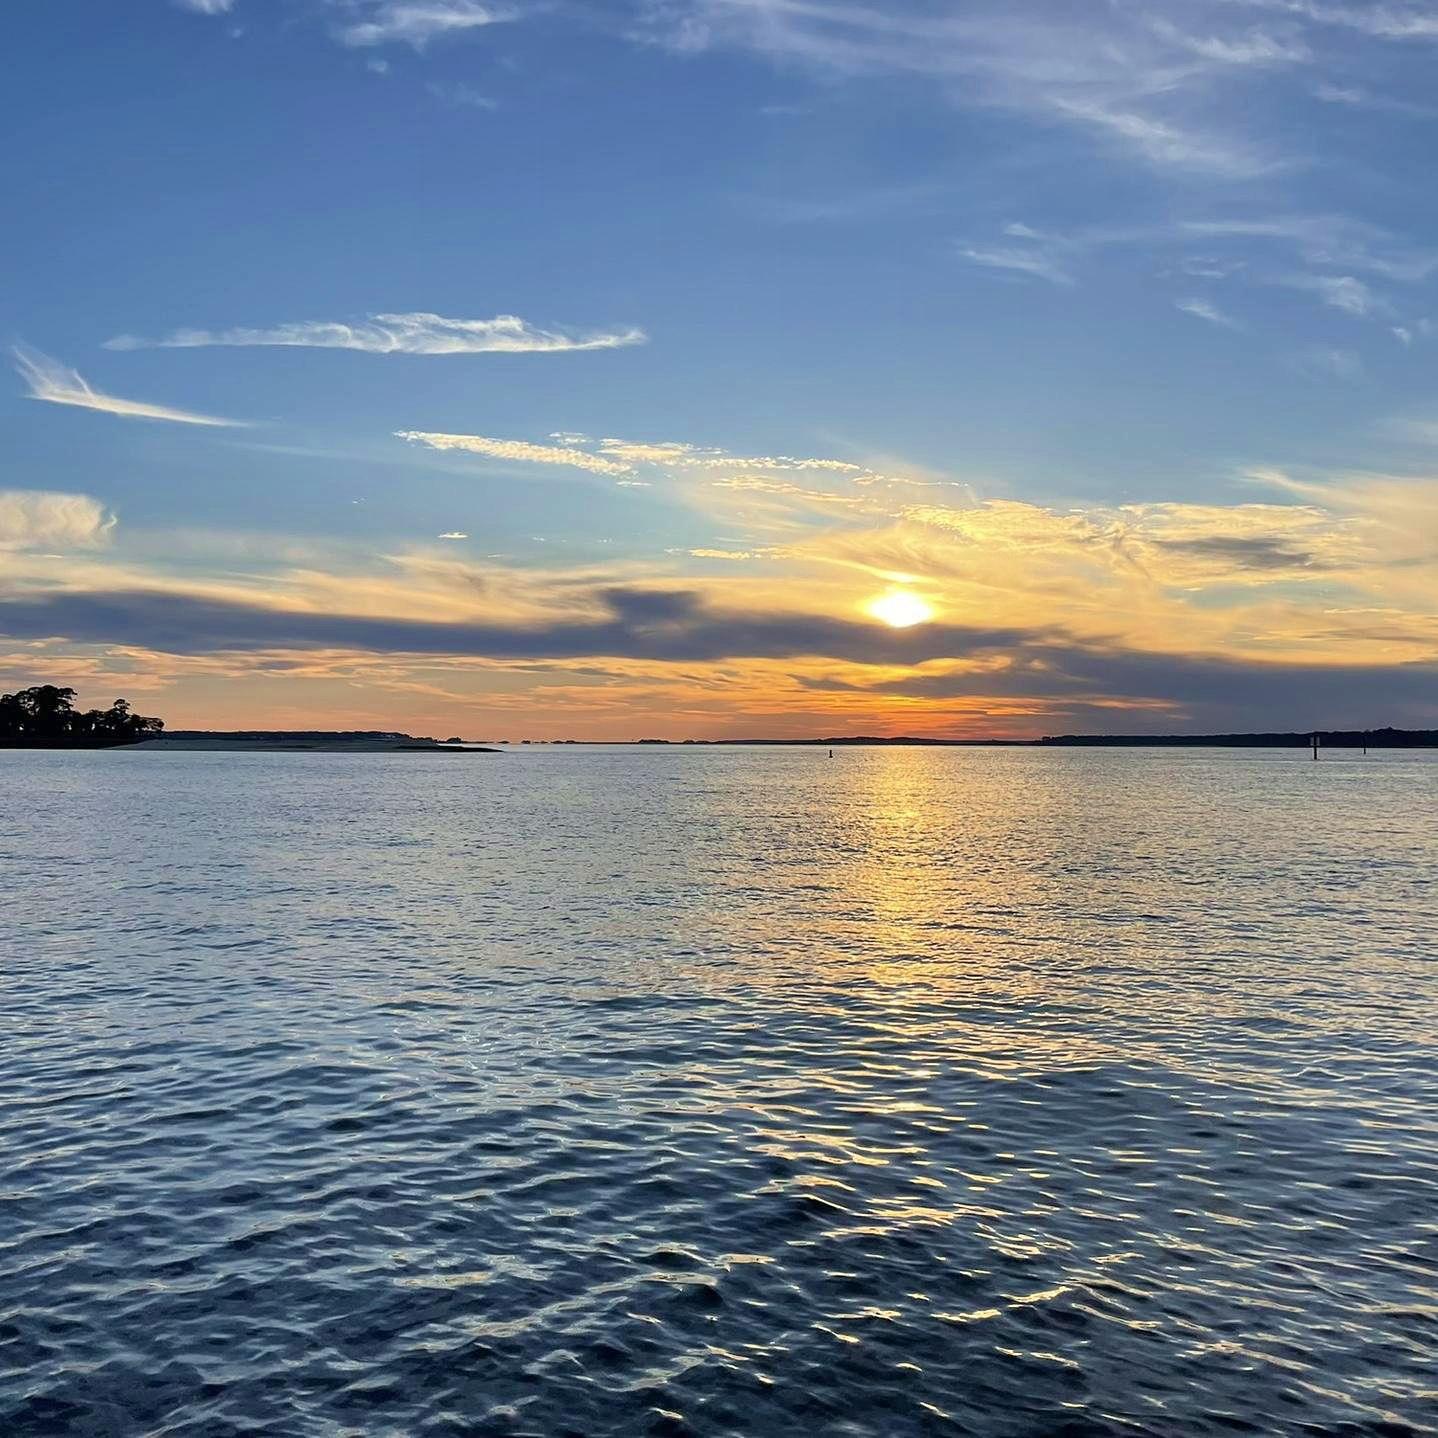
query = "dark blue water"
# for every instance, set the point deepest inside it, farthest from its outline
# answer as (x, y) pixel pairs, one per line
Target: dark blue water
(614, 1092)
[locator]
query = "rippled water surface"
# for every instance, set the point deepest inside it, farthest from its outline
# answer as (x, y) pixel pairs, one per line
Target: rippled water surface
(623, 1092)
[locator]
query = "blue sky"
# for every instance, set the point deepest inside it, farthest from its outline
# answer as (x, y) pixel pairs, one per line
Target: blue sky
(1106, 325)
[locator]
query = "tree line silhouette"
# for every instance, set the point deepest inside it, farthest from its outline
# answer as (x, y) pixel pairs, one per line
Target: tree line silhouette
(44, 717)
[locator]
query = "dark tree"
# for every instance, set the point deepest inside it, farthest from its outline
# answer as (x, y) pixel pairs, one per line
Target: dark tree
(44, 716)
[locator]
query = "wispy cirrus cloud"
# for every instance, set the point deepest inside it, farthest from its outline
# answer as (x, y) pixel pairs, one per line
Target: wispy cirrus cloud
(1384, 21)
(675, 455)
(416, 22)
(1167, 145)
(1340, 292)
(1323, 241)
(1156, 82)
(518, 450)
(55, 383)
(1359, 98)
(1346, 263)
(1243, 48)
(418, 333)
(1129, 78)
(699, 470)
(1340, 241)
(362, 24)
(1037, 262)
(759, 484)
(1202, 309)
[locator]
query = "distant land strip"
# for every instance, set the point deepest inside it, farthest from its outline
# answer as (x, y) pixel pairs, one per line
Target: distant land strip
(373, 741)
(1327, 739)
(1386, 738)
(318, 741)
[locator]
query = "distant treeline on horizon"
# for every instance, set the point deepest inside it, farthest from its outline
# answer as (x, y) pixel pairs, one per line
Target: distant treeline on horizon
(1386, 738)
(353, 735)
(45, 717)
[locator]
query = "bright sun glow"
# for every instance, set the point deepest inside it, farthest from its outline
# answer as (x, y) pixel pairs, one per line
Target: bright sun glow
(899, 609)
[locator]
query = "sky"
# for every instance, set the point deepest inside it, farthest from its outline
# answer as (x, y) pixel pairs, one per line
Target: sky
(607, 369)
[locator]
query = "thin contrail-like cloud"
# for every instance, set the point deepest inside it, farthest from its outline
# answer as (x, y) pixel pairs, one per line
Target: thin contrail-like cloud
(56, 383)
(412, 334)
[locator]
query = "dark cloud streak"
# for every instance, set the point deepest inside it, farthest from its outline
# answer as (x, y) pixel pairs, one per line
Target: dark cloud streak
(1239, 692)
(1245, 552)
(666, 625)
(678, 627)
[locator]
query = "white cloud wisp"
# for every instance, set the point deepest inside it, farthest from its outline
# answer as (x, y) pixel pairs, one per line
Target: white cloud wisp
(1204, 310)
(417, 22)
(44, 519)
(515, 449)
(56, 384)
(417, 333)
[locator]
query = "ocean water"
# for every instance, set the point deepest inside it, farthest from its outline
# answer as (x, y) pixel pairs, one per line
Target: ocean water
(719, 1092)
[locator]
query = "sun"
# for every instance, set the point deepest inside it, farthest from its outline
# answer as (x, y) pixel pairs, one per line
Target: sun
(899, 609)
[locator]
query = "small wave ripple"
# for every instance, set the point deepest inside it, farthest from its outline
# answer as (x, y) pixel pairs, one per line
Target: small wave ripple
(951, 1094)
